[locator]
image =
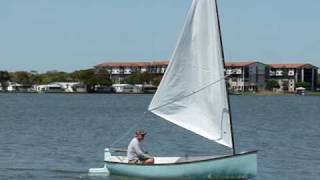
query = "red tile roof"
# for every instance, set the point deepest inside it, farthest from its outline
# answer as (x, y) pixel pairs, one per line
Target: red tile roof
(133, 64)
(291, 66)
(228, 64)
(239, 64)
(160, 63)
(122, 64)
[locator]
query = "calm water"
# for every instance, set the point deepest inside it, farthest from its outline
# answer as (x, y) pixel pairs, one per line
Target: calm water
(48, 136)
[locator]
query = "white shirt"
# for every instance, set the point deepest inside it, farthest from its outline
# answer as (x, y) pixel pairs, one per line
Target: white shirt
(134, 150)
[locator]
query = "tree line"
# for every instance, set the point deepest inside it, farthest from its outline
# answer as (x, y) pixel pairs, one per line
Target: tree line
(93, 77)
(88, 77)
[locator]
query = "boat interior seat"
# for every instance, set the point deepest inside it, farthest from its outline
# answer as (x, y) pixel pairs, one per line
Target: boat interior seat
(163, 160)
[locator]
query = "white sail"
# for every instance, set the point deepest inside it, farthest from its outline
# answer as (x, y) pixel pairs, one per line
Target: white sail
(192, 93)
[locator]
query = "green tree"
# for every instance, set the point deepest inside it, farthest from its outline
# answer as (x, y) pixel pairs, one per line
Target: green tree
(303, 84)
(102, 77)
(157, 80)
(92, 77)
(21, 77)
(140, 78)
(38, 79)
(272, 83)
(4, 78)
(133, 79)
(56, 76)
(49, 77)
(318, 82)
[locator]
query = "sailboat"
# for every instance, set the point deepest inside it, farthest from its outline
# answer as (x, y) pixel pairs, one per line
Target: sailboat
(193, 95)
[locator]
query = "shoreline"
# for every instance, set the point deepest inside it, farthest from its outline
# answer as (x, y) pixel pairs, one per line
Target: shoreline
(73, 93)
(264, 93)
(270, 93)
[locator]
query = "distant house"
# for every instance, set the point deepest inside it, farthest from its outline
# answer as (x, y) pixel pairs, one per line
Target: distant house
(246, 76)
(13, 87)
(123, 88)
(79, 88)
(16, 87)
(288, 75)
(61, 87)
(49, 88)
(119, 70)
(128, 88)
(72, 86)
(103, 89)
(149, 89)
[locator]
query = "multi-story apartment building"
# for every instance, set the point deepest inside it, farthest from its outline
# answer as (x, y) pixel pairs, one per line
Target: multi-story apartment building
(290, 74)
(246, 76)
(241, 76)
(119, 70)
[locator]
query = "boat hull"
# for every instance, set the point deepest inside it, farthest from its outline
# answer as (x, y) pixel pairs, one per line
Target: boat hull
(240, 166)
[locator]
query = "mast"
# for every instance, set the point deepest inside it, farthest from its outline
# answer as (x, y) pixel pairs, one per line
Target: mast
(224, 64)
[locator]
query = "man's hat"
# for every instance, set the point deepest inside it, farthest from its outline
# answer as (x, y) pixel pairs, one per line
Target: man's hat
(141, 132)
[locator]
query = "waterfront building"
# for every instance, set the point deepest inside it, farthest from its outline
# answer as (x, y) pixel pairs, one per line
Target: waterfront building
(49, 88)
(103, 89)
(148, 88)
(13, 87)
(119, 70)
(79, 88)
(246, 76)
(125, 88)
(71, 86)
(135, 89)
(288, 75)
(16, 87)
(61, 87)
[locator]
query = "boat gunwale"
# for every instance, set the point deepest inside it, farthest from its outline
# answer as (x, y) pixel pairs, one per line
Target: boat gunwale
(187, 162)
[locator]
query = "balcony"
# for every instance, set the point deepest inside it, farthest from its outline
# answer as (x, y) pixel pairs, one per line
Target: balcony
(237, 71)
(229, 71)
(272, 73)
(279, 73)
(291, 73)
(127, 71)
(115, 71)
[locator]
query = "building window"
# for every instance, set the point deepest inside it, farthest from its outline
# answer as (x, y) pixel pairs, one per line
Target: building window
(279, 73)
(291, 72)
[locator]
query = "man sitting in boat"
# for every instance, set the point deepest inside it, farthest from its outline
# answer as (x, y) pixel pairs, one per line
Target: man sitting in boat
(135, 153)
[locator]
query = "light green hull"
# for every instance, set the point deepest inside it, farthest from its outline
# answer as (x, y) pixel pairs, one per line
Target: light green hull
(240, 166)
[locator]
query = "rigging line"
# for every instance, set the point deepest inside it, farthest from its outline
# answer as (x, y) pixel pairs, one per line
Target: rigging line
(192, 93)
(124, 135)
(134, 127)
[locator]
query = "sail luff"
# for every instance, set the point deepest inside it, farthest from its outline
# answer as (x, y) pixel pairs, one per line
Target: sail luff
(224, 65)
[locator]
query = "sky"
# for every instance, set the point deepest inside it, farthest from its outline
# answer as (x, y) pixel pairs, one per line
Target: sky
(69, 35)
